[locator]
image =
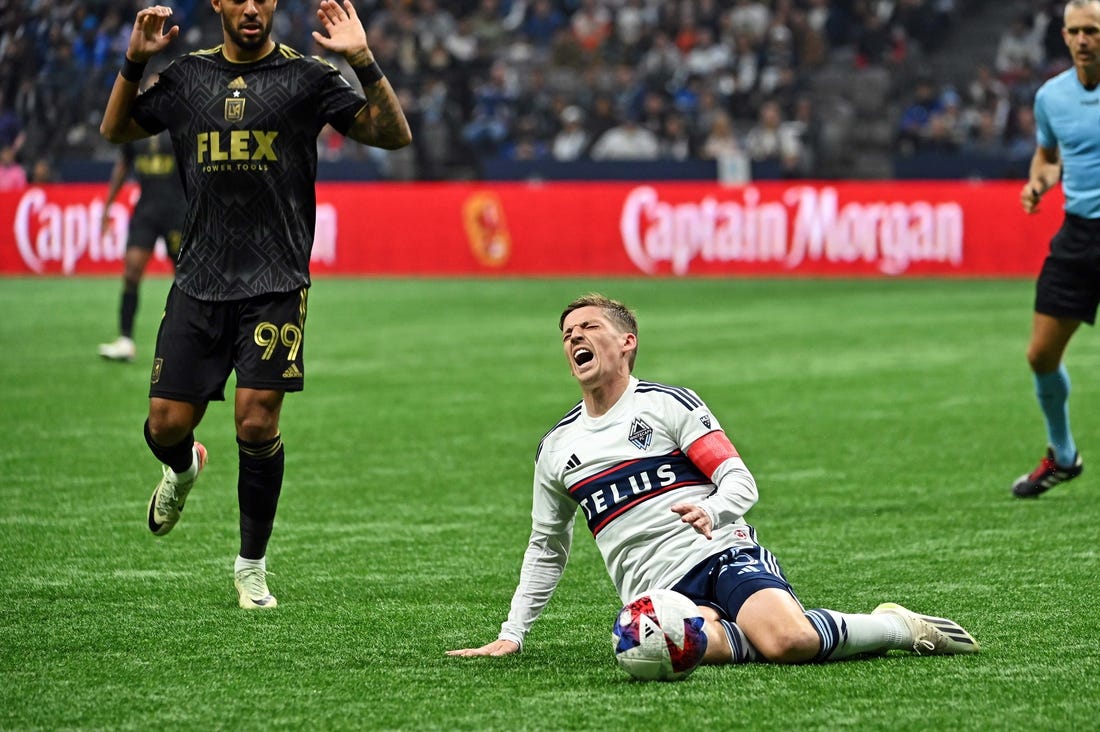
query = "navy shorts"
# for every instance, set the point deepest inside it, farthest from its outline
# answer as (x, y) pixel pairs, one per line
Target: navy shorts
(1069, 283)
(726, 580)
(200, 343)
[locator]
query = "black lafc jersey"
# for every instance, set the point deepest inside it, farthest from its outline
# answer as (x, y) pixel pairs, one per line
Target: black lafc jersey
(153, 163)
(245, 140)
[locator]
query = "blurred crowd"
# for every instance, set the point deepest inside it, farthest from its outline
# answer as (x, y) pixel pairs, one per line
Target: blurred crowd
(563, 80)
(991, 112)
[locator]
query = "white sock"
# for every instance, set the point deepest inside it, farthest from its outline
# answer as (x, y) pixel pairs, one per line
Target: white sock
(243, 563)
(869, 634)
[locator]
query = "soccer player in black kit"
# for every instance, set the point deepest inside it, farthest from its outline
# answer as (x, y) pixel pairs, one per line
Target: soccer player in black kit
(158, 213)
(244, 119)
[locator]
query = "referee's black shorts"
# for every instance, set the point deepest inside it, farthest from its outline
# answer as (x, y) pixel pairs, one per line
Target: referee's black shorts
(1069, 283)
(200, 343)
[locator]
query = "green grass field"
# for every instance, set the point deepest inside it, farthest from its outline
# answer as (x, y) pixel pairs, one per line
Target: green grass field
(883, 420)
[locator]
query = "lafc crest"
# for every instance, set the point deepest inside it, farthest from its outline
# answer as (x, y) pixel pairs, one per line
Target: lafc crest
(234, 103)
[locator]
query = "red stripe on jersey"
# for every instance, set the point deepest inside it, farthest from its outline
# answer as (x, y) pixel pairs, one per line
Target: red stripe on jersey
(710, 451)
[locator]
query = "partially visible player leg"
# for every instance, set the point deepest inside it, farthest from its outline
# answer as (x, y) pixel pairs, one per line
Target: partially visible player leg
(845, 635)
(136, 261)
(751, 587)
(138, 252)
(726, 642)
(190, 368)
(1052, 391)
(1049, 338)
(775, 623)
(169, 432)
(259, 484)
(768, 622)
(270, 361)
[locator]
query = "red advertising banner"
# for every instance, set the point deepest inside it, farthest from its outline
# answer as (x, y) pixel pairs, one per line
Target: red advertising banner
(793, 228)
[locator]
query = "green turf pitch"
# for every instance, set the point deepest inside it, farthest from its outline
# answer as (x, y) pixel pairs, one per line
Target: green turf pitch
(883, 420)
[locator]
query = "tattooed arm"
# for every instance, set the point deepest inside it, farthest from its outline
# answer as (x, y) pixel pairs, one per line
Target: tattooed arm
(382, 122)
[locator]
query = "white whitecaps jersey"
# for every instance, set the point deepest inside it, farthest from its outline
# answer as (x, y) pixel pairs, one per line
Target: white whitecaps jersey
(625, 469)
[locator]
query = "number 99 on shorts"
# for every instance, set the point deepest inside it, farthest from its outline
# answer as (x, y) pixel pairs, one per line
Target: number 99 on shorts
(270, 337)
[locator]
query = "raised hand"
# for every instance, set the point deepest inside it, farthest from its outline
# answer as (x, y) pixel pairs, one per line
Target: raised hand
(148, 37)
(346, 35)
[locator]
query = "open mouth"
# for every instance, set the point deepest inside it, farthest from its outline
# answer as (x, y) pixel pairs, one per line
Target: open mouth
(581, 356)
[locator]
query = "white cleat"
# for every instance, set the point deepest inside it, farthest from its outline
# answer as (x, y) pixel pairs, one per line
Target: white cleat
(120, 349)
(170, 494)
(932, 636)
(252, 592)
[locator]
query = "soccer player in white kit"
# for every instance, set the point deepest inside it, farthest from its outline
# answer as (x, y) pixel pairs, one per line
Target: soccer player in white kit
(664, 493)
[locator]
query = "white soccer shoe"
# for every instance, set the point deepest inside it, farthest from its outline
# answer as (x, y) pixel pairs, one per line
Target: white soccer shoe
(170, 494)
(120, 349)
(252, 592)
(932, 636)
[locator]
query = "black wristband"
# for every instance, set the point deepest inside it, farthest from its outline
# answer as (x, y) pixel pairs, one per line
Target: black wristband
(132, 70)
(369, 74)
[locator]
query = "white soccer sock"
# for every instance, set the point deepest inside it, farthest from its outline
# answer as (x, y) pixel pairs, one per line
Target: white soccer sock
(243, 563)
(869, 634)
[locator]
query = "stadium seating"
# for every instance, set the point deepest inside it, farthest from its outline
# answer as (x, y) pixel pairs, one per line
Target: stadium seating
(485, 83)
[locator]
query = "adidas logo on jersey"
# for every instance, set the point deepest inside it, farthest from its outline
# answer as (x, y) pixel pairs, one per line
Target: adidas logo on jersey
(573, 462)
(293, 372)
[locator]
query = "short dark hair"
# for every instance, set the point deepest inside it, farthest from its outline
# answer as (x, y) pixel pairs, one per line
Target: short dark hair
(618, 312)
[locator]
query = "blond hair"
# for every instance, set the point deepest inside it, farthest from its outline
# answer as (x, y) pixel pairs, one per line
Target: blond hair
(616, 311)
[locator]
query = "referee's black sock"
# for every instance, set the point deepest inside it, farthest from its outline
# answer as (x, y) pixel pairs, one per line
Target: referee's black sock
(259, 483)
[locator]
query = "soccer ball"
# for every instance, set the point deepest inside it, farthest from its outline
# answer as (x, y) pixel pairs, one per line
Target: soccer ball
(658, 636)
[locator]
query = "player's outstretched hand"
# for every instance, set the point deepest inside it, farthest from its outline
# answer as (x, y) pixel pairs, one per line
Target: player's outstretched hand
(345, 32)
(148, 37)
(496, 648)
(696, 517)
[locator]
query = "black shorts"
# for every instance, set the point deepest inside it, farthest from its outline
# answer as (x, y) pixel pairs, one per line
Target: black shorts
(199, 343)
(150, 223)
(1069, 283)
